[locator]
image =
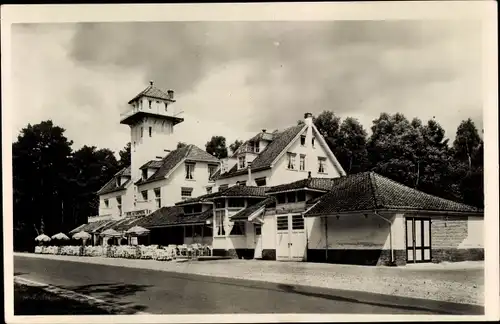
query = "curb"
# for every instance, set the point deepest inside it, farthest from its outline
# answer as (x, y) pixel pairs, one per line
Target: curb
(72, 295)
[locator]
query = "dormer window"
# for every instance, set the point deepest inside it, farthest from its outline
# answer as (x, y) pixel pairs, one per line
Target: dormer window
(257, 147)
(144, 174)
(118, 181)
(150, 102)
(211, 170)
(144, 195)
(303, 140)
(139, 104)
(312, 141)
(241, 183)
(241, 162)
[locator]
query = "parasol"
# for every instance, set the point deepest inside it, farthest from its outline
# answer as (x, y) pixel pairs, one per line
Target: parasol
(42, 238)
(60, 236)
(82, 236)
(138, 230)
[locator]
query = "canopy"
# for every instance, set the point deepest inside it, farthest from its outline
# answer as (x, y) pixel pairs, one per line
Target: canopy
(138, 230)
(111, 232)
(42, 238)
(60, 236)
(82, 235)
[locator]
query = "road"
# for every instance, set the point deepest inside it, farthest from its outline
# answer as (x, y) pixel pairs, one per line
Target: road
(160, 292)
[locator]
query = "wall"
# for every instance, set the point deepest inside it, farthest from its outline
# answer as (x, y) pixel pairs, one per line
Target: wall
(457, 238)
(170, 189)
(244, 177)
(127, 202)
(355, 239)
(281, 174)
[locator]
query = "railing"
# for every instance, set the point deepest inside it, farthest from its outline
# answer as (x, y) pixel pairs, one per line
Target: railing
(155, 110)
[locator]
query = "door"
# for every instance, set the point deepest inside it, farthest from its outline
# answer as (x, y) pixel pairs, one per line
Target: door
(291, 239)
(257, 229)
(418, 239)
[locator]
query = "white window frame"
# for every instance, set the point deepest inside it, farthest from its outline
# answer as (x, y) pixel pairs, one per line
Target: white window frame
(241, 162)
(321, 165)
(157, 192)
(190, 171)
(211, 170)
(302, 162)
(241, 226)
(106, 203)
(303, 138)
(220, 216)
(186, 190)
(291, 161)
(144, 197)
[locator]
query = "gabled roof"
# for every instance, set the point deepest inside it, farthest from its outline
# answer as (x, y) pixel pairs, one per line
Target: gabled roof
(153, 92)
(170, 216)
(91, 227)
(199, 199)
(369, 191)
(111, 185)
(245, 213)
(324, 184)
(216, 175)
(240, 191)
(169, 162)
(265, 158)
(153, 164)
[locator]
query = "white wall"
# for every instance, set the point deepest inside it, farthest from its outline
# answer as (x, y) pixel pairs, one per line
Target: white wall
(127, 202)
(269, 231)
(475, 233)
(355, 232)
(244, 177)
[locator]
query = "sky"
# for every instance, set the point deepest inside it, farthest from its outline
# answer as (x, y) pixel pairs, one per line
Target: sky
(236, 78)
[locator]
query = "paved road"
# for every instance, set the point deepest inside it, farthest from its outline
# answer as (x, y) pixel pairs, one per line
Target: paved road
(161, 292)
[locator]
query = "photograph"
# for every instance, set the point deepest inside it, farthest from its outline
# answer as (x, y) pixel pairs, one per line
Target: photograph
(249, 163)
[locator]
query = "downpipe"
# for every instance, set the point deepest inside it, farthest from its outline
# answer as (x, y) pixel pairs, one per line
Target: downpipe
(390, 235)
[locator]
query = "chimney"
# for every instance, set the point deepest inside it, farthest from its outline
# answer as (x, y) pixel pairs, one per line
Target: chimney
(249, 165)
(151, 83)
(170, 94)
(309, 175)
(264, 130)
(308, 119)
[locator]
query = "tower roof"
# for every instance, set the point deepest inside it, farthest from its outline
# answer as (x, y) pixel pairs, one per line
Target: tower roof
(153, 92)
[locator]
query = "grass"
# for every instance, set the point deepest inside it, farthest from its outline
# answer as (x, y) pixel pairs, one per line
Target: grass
(36, 301)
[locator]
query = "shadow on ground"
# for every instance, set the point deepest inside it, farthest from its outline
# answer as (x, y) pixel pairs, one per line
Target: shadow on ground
(113, 293)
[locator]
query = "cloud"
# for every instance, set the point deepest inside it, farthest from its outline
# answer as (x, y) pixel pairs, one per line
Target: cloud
(235, 78)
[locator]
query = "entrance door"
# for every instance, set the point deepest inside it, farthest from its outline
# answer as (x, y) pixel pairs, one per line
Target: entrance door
(257, 228)
(418, 239)
(291, 238)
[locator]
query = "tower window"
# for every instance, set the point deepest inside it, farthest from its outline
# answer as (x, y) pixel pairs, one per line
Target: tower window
(166, 106)
(312, 142)
(150, 104)
(142, 132)
(303, 140)
(150, 131)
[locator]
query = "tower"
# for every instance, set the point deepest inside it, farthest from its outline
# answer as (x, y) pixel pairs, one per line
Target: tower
(151, 117)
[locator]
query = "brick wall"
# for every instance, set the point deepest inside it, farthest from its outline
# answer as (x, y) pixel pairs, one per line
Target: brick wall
(448, 232)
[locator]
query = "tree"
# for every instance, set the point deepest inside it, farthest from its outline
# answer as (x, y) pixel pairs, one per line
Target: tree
(351, 146)
(40, 158)
(124, 156)
(328, 125)
(181, 145)
(467, 142)
(217, 147)
(236, 144)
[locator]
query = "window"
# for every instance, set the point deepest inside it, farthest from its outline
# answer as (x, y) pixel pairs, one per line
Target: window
(119, 201)
(142, 132)
(211, 170)
(236, 202)
(150, 131)
(144, 174)
(260, 182)
(282, 223)
(209, 190)
(302, 163)
(297, 222)
(189, 171)
(291, 161)
(197, 230)
(241, 183)
(257, 229)
(301, 195)
(241, 162)
(134, 146)
(281, 198)
(321, 165)
(220, 203)
(290, 197)
(238, 228)
(303, 140)
(188, 231)
(166, 106)
(150, 104)
(186, 192)
(144, 195)
(219, 222)
(257, 147)
(223, 187)
(140, 104)
(312, 141)
(158, 197)
(207, 231)
(192, 209)
(106, 203)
